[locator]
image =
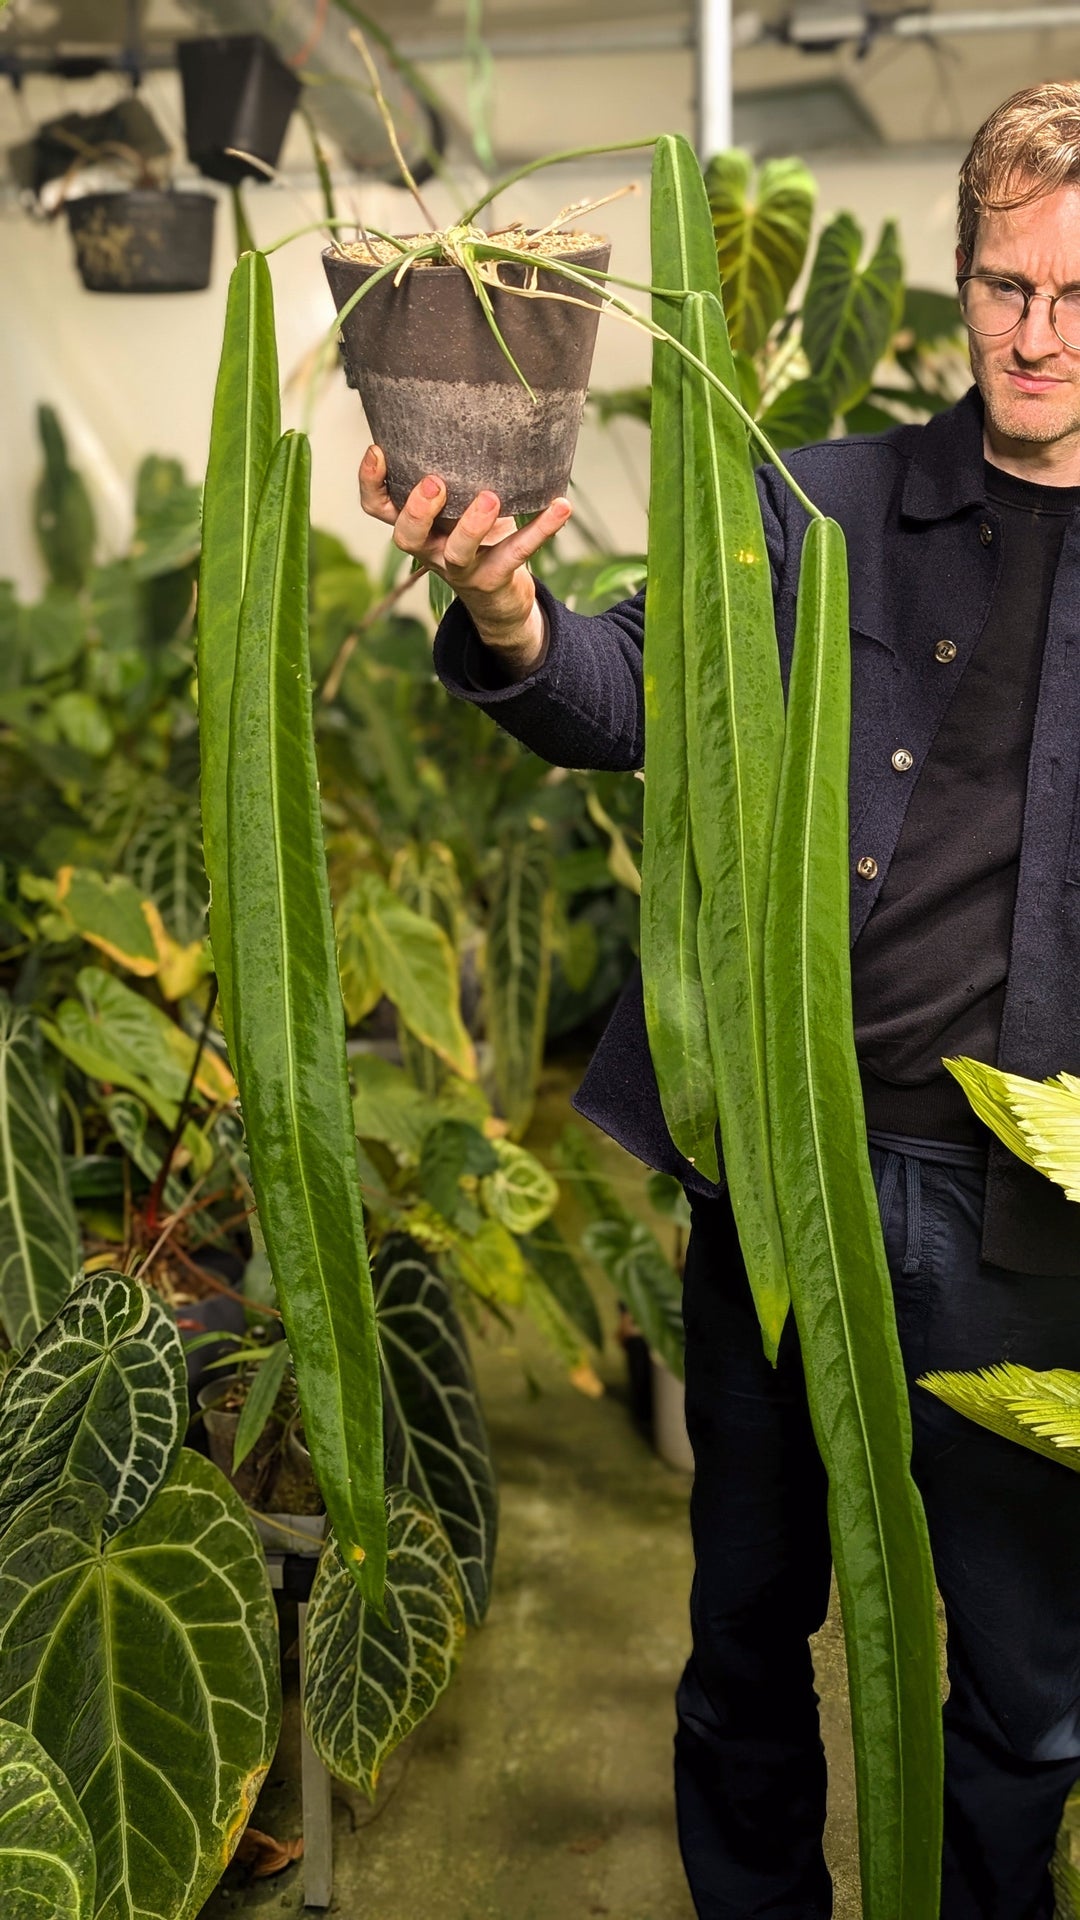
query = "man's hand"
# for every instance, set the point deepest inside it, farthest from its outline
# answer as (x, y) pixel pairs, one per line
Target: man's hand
(483, 558)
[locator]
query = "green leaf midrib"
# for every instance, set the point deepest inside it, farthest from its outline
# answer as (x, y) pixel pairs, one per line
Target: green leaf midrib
(819, 1164)
(296, 1132)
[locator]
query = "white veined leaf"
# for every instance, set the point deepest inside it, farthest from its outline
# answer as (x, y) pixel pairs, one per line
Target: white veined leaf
(100, 1395)
(520, 1192)
(147, 1666)
(39, 1233)
(47, 1867)
(437, 1441)
(371, 1680)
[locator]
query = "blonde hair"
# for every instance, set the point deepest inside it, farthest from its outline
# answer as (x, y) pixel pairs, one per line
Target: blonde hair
(1028, 147)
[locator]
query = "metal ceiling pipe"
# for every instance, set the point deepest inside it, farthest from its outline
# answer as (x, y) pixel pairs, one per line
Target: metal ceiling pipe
(713, 108)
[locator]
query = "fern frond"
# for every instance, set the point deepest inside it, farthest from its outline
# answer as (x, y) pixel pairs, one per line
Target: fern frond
(1038, 1120)
(990, 1094)
(1038, 1410)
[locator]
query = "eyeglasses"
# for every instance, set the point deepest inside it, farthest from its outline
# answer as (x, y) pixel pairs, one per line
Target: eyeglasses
(994, 306)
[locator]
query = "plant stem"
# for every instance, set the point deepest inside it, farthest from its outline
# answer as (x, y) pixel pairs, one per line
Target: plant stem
(332, 683)
(552, 160)
(156, 1191)
(320, 226)
(387, 118)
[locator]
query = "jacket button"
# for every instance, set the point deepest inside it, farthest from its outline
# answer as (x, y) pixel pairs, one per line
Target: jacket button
(867, 868)
(986, 532)
(902, 760)
(945, 651)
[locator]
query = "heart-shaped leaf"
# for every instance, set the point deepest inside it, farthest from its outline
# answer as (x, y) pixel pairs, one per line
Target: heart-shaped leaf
(850, 313)
(800, 413)
(100, 1395)
(762, 226)
(520, 1192)
(438, 1442)
(39, 1234)
(47, 1869)
(371, 1680)
(147, 1666)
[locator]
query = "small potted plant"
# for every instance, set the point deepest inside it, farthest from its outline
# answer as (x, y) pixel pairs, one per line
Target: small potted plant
(251, 1417)
(471, 351)
(238, 99)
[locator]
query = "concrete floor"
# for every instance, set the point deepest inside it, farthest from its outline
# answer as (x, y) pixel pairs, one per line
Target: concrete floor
(540, 1787)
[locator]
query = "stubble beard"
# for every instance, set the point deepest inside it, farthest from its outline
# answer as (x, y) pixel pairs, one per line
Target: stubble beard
(1037, 420)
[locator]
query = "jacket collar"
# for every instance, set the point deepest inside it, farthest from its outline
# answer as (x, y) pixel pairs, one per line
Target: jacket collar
(947, 472)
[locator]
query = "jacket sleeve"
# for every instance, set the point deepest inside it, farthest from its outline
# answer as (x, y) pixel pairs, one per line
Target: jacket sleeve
(584, 705)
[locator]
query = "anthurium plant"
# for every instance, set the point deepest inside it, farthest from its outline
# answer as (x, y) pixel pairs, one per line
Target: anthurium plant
(745, 957)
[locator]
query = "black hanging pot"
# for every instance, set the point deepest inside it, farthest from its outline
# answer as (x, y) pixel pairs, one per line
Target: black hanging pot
(147, 241)
(237, 93)
(439, 394)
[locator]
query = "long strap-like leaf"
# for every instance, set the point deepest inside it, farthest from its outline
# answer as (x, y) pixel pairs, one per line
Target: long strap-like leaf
(290, 1029)
(734, 694)
(243, 434)
(839, 1277)
(683, 256)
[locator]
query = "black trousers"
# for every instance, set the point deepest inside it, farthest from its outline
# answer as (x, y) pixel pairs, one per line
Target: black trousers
(1005, 1533)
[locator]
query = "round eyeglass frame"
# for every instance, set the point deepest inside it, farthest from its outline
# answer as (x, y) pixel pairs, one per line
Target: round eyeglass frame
(999, 333)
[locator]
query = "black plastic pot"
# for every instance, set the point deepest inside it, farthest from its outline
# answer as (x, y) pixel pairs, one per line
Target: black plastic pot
(145, 241)
(237, 93)
(440, 396)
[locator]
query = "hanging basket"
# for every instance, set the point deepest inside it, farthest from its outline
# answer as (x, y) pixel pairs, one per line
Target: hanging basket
(439, 394)
(145, 241)
(237, 94)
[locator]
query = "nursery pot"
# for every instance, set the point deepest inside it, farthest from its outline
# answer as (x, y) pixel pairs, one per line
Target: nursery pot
(440, 396)
(237, 93)
(145, 241)
(220, 1424)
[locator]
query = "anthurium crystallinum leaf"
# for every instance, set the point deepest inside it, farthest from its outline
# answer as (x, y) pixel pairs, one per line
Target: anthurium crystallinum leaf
(47, 1869)
(683, 255)
(244, 431)
(438, 1441)
(289, 1029)
(372, 1678)
(100, 1395)
(735, 739)
(840, 1286)
(39, 1233)
(147, 1667)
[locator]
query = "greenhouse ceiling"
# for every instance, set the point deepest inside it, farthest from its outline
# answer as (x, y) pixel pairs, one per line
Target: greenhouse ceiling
(804, 75)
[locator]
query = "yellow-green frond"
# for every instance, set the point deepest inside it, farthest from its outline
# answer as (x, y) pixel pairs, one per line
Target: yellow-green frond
(1038, 1120)
(1037, 1410)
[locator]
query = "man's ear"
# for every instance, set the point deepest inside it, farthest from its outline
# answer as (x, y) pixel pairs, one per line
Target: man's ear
(961, 261)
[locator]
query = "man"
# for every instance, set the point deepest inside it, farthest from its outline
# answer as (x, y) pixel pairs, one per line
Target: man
(964, 548)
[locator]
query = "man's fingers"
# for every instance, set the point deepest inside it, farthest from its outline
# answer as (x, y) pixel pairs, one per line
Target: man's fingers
(413, 528)
(374, 497)
(464, 540)
(497, 563)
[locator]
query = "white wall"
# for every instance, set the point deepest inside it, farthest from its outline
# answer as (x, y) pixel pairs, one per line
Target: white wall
(134, 374)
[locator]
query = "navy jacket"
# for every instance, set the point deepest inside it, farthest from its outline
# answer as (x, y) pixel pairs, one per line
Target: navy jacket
(923, 554)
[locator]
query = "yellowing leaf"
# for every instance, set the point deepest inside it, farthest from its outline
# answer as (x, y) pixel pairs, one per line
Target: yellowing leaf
(107, 910)
(415, 965)
(490, 1262)
(180, 968)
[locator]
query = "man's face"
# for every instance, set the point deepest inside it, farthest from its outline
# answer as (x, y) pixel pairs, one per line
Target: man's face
(1029, 381)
